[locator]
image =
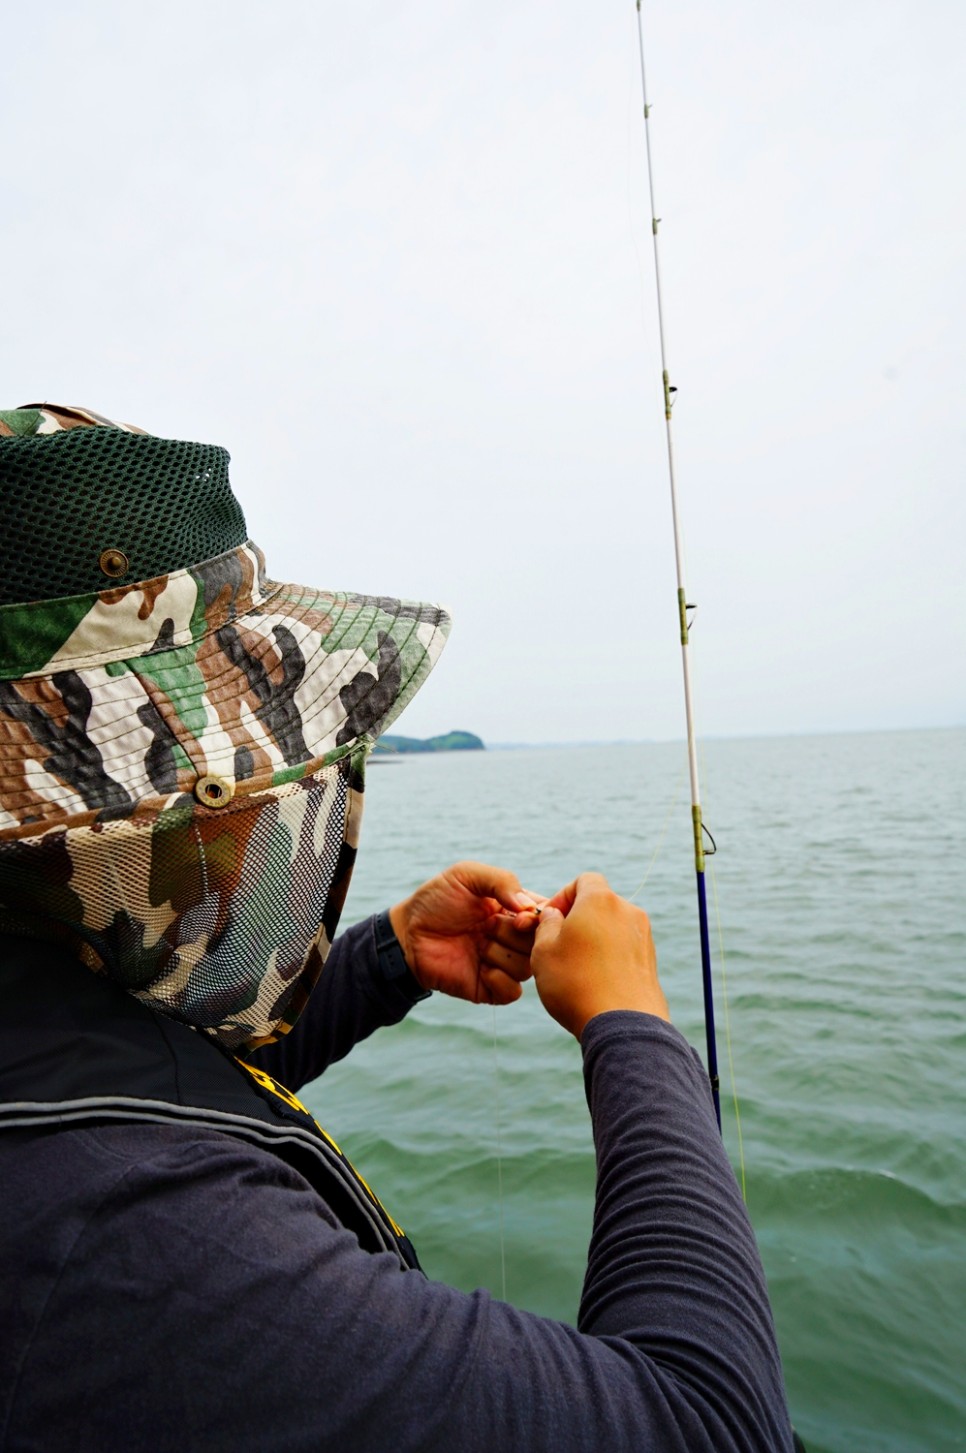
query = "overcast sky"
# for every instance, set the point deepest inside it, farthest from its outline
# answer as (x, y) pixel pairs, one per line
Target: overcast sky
(397, 259)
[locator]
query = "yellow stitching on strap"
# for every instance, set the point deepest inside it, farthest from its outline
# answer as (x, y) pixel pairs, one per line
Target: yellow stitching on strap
(273, 1086)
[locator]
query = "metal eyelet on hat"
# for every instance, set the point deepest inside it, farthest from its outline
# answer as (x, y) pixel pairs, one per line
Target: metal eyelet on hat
(214, 791)
(114, 563)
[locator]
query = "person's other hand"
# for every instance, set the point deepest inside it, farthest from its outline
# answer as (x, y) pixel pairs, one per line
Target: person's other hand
(468, 932)
(593, 952)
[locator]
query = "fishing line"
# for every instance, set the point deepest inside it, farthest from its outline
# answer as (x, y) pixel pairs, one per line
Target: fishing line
(674, 805)
(631, 208)
(499, 1151)
(726, 1008)
(684, 624)
(727, 1029)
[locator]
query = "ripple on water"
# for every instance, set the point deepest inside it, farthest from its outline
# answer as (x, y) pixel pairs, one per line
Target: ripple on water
(846, 936)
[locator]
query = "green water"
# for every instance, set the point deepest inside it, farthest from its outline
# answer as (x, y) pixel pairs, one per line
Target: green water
(839, 878)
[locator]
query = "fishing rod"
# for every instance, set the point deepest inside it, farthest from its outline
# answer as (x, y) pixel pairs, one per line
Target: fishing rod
(684, 624)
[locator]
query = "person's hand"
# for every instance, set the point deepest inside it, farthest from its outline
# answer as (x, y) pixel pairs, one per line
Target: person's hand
(593, 952)
(468, 932)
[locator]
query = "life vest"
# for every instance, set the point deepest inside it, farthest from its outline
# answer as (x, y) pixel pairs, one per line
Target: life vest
(75, 1050)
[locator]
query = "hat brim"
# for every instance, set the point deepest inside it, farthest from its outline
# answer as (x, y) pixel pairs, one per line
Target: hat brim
(119, 702)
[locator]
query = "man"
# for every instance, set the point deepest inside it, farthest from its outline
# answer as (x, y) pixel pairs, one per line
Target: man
(188, 1261)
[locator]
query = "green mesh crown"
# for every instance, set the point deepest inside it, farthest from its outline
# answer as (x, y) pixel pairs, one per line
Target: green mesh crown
(67, 497)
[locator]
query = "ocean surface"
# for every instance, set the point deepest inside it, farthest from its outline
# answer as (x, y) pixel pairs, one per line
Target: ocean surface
(839, 887)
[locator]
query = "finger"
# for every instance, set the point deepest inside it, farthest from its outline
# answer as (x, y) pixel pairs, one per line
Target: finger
(486, 881)
(508, 961)
(498, 987)
(527, 919)
(584, 886)
(548, 929)
(514, 927)
(563, 900)
(514, 932)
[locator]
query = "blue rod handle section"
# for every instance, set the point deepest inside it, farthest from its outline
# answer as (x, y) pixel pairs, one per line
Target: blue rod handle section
(708, 996)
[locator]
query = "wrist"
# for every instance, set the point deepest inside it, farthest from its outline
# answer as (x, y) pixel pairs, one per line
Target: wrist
(392, 961)
(398, 917)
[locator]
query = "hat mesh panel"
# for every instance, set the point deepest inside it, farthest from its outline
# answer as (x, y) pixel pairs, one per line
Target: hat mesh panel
(65, 498)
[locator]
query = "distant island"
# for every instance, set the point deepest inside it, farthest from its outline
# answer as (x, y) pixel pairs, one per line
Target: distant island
(449, 742)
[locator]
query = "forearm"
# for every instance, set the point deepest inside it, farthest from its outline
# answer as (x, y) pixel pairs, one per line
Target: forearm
(675, 1352)
(676, 1348)
(673, 1267)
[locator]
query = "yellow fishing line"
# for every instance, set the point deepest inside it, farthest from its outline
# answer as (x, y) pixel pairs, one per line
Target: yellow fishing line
(672, 808)
(727, 1030)
(499, 1150)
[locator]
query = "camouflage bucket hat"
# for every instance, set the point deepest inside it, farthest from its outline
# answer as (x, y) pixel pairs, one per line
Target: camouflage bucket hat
(182, 738)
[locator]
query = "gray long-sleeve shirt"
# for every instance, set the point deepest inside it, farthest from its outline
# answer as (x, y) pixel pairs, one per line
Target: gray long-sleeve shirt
(171, 1288)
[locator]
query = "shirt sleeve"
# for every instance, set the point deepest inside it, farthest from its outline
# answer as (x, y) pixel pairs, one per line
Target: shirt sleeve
(350, 1001)
(249, 1318)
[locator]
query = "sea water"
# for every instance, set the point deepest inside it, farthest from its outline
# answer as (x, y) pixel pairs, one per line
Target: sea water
(839, 944)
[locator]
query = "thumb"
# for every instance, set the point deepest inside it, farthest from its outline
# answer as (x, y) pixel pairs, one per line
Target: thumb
(485, 881)
(548, 929)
